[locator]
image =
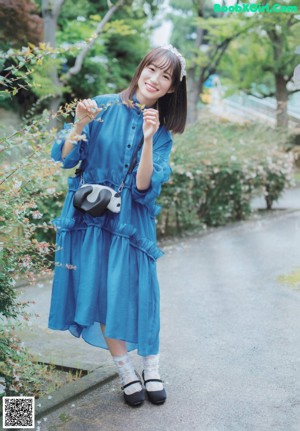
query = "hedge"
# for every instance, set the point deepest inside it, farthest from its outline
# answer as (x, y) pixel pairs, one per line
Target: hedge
(218, 167)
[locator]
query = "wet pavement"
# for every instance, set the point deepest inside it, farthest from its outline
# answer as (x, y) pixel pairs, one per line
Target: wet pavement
(230, 336)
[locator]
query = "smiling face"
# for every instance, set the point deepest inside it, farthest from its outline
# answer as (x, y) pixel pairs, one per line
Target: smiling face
(154, 82)
(157, 79)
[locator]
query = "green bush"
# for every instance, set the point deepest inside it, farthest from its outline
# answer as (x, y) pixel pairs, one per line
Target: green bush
(27, 192)
(218, 167)
(21, 374)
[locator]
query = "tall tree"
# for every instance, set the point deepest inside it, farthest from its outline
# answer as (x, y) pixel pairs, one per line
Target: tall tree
(261, 44)
(263, 62)
(203, 36)
(50, 12)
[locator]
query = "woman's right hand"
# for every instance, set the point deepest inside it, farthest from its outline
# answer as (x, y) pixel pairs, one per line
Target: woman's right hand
(86, 111)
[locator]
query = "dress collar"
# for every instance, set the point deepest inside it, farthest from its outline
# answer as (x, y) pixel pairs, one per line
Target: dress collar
(136, 102)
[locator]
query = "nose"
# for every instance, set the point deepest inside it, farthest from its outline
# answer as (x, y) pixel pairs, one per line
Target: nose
(154, 78)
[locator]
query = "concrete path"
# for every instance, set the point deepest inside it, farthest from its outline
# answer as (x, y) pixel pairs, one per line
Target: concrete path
(230, 338)
(56, 347)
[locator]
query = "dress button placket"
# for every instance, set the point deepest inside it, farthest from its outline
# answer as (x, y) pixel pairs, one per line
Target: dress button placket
(129, 145)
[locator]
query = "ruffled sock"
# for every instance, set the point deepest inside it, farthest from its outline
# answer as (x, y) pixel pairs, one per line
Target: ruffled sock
(151, 371)
(127, 373)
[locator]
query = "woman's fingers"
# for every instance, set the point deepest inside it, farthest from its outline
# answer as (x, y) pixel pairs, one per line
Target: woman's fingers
(150, 113)
(151, 116)
(151, 122)
(88, 107)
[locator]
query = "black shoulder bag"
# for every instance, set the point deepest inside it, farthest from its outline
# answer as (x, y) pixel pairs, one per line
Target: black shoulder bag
(96, 199)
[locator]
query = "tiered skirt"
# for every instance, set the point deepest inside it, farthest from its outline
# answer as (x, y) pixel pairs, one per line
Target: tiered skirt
(105, 272)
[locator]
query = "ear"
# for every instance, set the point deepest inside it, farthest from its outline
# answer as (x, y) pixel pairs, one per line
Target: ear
(172, 89)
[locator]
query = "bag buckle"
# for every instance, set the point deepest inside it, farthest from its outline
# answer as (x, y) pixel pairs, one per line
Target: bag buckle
(121, 187)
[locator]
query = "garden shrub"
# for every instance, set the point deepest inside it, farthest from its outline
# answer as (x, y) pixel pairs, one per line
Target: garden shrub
(26, 243)
(218, 167)
(27, 179)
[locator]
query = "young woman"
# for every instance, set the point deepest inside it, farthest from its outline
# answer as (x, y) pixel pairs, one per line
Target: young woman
(105, 285)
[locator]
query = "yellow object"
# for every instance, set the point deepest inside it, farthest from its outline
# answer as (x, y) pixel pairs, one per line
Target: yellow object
(292, 279)
(206, 96)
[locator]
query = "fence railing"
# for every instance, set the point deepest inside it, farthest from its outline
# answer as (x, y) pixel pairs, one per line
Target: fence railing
(253, 108)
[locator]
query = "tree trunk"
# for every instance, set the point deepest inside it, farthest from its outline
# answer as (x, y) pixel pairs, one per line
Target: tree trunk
(278, 46)
(194, 84)
(50, 12)
(50, 22)
(282, 102)
(193, 93)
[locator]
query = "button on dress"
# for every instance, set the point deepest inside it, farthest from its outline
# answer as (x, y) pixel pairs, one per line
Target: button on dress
(105, 267)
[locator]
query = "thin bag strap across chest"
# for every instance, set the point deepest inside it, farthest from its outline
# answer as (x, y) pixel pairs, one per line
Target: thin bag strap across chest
(132, 165)
(79, 171)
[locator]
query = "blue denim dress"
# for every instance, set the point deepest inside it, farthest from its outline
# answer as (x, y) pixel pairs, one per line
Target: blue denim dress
(105, 267)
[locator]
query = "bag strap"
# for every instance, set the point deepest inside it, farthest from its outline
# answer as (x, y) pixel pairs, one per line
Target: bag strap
(132, 165)
(79, 171)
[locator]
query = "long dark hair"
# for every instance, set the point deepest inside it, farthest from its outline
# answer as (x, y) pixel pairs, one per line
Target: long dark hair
(172, 107)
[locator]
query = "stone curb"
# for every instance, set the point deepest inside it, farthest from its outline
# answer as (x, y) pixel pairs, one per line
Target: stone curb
(261, 215)
(71, 391)
(254, 217)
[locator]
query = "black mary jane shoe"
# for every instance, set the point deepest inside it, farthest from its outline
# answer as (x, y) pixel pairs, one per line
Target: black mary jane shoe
(137, 398)
(155, 397)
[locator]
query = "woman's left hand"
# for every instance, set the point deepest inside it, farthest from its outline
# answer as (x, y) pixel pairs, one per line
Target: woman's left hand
(151, 123)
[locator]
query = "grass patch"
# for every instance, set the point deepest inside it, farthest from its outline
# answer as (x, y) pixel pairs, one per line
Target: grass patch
(57, 376)
(24, 373)
(292, 279)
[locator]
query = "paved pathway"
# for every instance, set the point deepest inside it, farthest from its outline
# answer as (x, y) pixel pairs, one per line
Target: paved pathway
(230, 337)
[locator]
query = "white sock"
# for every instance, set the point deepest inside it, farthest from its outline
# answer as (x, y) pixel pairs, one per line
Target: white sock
(151, 371)
(127, 373)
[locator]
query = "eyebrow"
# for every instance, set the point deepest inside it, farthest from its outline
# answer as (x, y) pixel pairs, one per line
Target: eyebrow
(165, 71)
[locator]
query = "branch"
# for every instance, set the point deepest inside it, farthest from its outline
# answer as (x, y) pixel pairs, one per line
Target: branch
(50, 9)
(57, 7)
(216, 58)
(216, 55)
(290, 77)
(294, 91)
(291, 21)
(271, 94)
(261, 97)
(81, 56)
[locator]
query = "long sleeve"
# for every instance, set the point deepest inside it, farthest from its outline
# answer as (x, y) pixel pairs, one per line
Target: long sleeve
(161, 173)
(79, 152)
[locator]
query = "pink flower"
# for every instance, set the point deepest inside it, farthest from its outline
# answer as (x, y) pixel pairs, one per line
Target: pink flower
(27, 261)
(43, 247)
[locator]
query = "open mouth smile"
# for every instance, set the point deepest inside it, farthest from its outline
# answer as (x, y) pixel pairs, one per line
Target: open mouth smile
(151, 88)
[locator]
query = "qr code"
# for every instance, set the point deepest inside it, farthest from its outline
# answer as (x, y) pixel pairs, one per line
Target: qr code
(18, 412)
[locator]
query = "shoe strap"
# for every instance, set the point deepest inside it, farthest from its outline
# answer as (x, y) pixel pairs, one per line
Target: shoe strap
(150, 380)
(131, 383)
(153, 380)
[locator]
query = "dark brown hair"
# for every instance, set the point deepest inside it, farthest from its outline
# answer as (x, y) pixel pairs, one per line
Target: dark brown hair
(172, 107)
